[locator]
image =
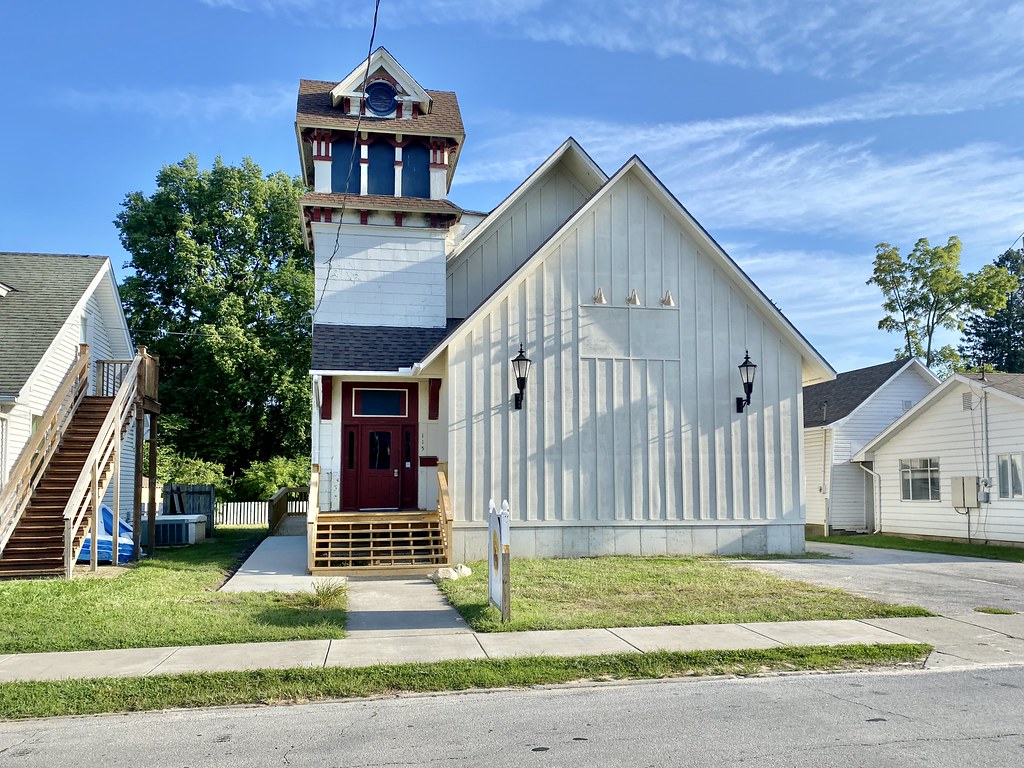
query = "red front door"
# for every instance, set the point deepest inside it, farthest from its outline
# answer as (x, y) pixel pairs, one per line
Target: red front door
(380, 483)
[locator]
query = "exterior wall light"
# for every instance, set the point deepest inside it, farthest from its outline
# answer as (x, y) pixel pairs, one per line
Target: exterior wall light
(747, 371)
(521, 368)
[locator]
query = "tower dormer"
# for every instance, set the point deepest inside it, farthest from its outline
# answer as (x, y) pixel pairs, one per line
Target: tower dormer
(378, 152)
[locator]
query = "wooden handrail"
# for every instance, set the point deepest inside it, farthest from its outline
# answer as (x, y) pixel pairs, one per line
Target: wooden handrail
(26, 473)
(278, 504)
(92, 482)
(444, 507)
(312, 513)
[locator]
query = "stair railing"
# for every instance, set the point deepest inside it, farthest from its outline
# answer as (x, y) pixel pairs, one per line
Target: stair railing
(444, 508)
(104, 460)
(16, 495)
(312, 512)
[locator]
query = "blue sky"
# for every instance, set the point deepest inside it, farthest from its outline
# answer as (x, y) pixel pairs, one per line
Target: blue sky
(799, 132)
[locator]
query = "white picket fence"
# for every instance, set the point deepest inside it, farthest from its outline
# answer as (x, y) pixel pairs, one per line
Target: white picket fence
(246, 512)
(251, 512)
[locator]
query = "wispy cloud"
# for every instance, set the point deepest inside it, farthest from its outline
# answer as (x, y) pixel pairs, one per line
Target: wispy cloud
(786, 35)
(244, 102)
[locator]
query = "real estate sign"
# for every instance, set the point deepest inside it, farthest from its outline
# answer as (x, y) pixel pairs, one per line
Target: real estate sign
(498, 583)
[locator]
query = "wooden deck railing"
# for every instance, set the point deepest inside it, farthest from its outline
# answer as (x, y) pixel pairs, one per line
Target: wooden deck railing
(444, 506)
(278, 504)
(102, 465)
(312, 512)
(28, 470)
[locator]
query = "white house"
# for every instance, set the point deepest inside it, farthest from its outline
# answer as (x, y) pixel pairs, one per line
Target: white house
(50, 306)
(952, 466)
(629, 438)
(840, 416)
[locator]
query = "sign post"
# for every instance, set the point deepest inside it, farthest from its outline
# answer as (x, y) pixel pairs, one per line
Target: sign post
(498, 581)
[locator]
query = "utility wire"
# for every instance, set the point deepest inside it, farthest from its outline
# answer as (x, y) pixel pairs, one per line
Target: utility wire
(351, 165)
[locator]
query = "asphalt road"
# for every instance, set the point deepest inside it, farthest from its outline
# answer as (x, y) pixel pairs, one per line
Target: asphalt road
(949, 586)
(914, 718)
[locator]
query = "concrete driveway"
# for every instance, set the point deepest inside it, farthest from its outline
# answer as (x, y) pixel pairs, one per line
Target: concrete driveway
(946, 585)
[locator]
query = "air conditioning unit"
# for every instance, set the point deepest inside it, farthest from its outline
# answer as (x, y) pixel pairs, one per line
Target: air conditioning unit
(176, 530)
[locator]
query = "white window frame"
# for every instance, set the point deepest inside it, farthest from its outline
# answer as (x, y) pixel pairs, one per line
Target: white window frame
(1010, 468)
(931, 467)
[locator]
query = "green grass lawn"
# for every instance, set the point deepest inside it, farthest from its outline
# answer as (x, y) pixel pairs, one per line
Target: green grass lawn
(166, 600)
(987, 551)
(280, 686)
(637, 591)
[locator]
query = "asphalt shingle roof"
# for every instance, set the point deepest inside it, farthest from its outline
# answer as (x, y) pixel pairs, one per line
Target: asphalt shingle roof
(1010, 383)
(46, 287)
(374, 348)
(844, 393)
(314, 109)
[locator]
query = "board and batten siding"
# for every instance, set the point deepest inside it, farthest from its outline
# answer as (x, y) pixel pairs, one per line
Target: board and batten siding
(817, 472)
(628, 441)
(956, 437)
(511, 240)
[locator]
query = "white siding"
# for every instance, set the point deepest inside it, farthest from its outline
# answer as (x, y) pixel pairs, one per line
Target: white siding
(380, 275)
(629, 424)
(817, 472)
(956, 437)
(511, 240)
(850, 501)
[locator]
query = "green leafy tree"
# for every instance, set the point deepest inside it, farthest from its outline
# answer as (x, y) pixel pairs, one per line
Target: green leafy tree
(927, 291)
(173, 467)
(221, 290)
(262, 479)
(996, 342)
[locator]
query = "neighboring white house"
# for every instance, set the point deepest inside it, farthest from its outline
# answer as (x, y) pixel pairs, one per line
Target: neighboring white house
(952, 466)
(629, 439)
(840, 416)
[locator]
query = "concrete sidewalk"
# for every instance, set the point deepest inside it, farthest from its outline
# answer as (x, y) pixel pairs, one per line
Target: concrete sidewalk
(974, 640)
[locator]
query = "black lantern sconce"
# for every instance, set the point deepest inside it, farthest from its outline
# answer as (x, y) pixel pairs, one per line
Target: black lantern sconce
(521, 368)
(747, 371)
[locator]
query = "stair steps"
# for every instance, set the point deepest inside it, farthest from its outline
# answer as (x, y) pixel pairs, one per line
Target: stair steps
(36, 548)
(378, 542)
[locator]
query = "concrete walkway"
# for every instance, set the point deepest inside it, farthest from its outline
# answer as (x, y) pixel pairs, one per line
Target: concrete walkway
(975, 640)
(407, 619)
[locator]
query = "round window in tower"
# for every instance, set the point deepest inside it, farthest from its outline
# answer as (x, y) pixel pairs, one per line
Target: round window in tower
(380, 98)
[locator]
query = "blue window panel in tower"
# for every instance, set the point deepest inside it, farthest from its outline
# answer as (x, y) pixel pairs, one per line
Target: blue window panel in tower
(416, 171)
(381, 178)
(341, 152)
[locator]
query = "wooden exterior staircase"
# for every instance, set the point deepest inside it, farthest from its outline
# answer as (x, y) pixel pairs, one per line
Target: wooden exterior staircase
(402, 542)
(36, 548)
(63, 473)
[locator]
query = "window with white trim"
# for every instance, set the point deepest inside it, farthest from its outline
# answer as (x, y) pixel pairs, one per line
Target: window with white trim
(1011, 475)
(919, 479)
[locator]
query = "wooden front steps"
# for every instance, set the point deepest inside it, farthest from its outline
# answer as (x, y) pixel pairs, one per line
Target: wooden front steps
(368, 543)
(36, 548)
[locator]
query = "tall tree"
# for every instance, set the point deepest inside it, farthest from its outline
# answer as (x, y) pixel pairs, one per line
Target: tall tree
(221, 290)
(927, 291)
(998, 341)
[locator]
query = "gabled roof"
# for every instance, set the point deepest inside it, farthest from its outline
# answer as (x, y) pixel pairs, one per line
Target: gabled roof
(352, 84)
(569, 153)
(830, 401)
(314, 110)
(46, 288)
(358, 348)
(1008, 386)
(815, 367)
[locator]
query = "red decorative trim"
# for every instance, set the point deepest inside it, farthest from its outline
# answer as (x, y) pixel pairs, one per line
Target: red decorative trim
(398, 163)
(364, 217)
(415, 110)
(326, 398)
(314, 214)
(398, 112)
(428, 461)
(440, 166)
(398, 218)
(328, 212)
(364, 160)
(434, 399)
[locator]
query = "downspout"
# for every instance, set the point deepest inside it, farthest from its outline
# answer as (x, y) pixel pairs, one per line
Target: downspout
(826, 461)
(876, 491)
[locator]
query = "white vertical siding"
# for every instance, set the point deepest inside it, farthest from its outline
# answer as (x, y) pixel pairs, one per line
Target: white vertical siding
(956, 437)
(511, 239)
(817, 472)
(630, 416)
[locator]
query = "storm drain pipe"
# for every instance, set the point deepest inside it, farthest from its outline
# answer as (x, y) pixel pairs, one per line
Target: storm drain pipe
(877, 483)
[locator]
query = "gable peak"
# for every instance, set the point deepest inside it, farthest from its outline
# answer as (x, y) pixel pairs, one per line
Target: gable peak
(388, 81)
